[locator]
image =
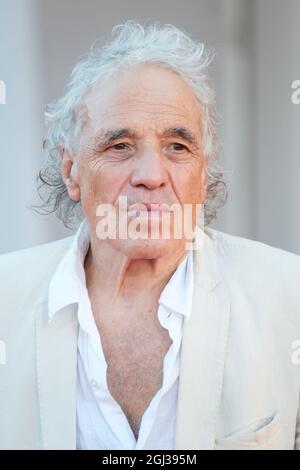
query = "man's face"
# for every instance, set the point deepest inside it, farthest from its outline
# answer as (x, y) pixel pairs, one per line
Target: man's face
(142, 140)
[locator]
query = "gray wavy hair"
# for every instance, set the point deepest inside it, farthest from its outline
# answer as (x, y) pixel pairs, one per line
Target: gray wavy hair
(131, 43)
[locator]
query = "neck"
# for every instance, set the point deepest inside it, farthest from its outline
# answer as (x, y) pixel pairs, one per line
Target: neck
(126, 279)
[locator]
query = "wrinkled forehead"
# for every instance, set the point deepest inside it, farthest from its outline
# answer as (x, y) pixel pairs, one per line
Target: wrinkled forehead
(147, 95)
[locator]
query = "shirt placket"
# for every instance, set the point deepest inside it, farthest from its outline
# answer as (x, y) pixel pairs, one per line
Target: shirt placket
(96, 369)
(171, 321)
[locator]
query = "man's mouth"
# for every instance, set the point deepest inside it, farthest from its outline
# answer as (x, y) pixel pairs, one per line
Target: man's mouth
(147, 208)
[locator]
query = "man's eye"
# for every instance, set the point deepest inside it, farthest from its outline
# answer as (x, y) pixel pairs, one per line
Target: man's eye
(120, 146)
(178, 147)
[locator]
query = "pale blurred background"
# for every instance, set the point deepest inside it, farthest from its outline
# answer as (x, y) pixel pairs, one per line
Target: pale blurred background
(258, 57)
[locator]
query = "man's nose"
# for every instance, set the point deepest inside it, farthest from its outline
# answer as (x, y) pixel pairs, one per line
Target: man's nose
(150, 170)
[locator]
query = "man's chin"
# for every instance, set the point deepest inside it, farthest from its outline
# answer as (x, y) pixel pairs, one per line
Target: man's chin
(146, 249)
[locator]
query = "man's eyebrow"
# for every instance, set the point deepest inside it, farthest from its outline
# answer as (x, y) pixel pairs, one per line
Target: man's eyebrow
(111, 136)
(182, 132)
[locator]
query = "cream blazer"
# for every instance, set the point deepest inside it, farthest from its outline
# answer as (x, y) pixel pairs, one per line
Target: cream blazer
(240, 375)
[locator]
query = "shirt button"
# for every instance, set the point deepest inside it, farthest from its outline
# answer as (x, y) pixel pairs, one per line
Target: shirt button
(95, 384)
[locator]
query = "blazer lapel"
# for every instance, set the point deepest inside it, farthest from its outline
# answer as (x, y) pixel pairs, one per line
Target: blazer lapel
(56, 360)
(203, 352)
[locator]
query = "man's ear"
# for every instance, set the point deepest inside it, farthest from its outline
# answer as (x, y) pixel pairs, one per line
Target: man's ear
(68, 173)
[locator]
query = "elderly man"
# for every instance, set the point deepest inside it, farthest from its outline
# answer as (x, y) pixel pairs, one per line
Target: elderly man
(144, 341)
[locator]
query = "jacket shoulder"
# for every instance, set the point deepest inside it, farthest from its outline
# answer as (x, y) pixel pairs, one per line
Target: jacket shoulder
(38, 252)
(24, 270)
(260, 270)
(262, 256)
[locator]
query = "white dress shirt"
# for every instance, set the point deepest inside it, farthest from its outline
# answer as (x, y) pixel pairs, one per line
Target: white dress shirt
(101, 422)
